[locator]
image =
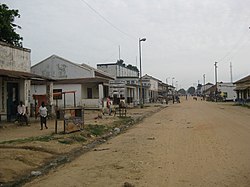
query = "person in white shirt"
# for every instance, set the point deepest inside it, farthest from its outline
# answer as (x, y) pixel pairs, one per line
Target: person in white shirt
(21, 113)
(43, 115)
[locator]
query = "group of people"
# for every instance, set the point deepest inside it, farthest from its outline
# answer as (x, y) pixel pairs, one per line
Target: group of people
(22, 116)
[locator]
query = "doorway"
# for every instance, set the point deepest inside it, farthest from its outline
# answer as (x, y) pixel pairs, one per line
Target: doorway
(12, 100)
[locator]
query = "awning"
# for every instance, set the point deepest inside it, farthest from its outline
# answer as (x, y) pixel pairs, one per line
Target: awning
(21, 75)
(82, 80)
(241, 88)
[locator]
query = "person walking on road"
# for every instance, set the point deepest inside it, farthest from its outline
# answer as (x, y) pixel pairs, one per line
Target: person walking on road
(43, 115)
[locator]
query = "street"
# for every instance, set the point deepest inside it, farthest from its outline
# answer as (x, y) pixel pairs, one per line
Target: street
(194, 143)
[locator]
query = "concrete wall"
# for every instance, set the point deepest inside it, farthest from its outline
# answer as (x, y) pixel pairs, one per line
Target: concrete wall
(14, 58)
(109, 68)
(229, 89)
(59, 68)
(153, 85)
(41, 89)
(117, 70)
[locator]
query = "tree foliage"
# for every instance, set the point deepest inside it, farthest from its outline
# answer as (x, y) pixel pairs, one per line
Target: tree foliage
(191, 90)
(129, 66)
(182, 91)
(7, 26)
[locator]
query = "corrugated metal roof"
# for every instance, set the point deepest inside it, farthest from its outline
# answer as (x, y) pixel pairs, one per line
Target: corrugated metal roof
(245, 79)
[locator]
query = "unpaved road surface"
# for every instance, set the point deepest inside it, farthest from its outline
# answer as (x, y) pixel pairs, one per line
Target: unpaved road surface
(194, 143)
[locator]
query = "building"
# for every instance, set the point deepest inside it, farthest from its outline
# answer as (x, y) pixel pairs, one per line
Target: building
(90, 85)
(150, 88)
(205, 87)
(126, 83)
(15, 77)
(225, 92)
(243, 90)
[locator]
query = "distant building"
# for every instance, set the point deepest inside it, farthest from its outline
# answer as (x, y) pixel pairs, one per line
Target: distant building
(225, 92)
(205, 87)
(243, 89)
(126, 83)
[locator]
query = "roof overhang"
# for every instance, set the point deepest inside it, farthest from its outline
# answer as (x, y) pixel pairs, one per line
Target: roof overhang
(22, 75)
(82, 80)
(239, 88)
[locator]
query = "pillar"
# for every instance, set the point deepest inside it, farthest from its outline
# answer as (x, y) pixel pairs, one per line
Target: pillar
(101, 94)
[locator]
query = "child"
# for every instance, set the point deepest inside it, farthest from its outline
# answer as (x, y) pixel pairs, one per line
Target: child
(43, 114)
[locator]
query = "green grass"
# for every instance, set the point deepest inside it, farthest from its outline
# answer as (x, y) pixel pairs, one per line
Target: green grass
(97, 130)
(45, 138)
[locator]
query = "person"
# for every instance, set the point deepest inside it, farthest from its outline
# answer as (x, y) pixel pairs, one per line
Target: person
(43, 115)
(21, 113)
(109, 105)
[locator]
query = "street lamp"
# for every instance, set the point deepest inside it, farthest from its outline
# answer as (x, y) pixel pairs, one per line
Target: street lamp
(216, 85)
(141, 40)
(173, 89)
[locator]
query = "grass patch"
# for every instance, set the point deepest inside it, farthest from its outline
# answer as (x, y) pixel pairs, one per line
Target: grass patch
(66, 141)
(78, 138)
(45, 138)
(97, 130)
(123, 121)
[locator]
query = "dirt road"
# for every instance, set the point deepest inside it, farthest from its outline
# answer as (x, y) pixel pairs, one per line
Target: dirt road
(194, 143)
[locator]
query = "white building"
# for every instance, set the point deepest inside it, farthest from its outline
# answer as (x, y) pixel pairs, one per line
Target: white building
(126, 83)
(89, 84)
(227, 91)
(150, 88)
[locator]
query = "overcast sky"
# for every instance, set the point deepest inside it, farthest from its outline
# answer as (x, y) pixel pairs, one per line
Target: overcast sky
(184, 37)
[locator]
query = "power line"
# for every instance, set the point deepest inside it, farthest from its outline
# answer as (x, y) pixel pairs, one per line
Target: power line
(107, 21)
(236, 46)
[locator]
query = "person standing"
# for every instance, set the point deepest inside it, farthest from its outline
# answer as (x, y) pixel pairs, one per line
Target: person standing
(109, 105)
(21, 113)
(43, 115)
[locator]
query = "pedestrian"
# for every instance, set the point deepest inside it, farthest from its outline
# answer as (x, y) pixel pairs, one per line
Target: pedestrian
(21, 113)
(43, 115)
(109, 105)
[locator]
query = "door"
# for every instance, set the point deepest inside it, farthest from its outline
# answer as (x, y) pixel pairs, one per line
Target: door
(89, 93)
(12, 100)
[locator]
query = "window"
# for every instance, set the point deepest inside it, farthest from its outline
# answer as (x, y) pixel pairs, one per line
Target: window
(89, 93)
(59, 95)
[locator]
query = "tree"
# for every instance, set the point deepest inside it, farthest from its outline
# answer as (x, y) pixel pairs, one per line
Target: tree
(182, 91)
(191, 90)
(7, 26)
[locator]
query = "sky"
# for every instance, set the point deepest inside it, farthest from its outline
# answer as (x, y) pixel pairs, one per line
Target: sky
(184, 38)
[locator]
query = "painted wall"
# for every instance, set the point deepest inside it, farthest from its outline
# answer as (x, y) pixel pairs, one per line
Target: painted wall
(13, 58)
(229, 89)
(41, 89)
(153, 85)
(59, 68)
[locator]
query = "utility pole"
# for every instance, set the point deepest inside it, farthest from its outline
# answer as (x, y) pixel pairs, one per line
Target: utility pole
(216, 86)
(119, 53)
(231, 72)
(141, 95)
(204, 82)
